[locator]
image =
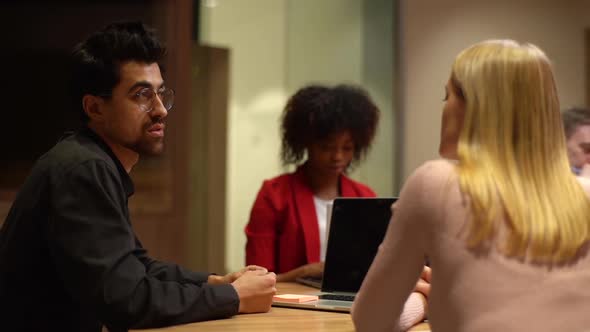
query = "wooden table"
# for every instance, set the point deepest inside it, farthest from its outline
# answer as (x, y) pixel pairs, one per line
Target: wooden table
(280, 319)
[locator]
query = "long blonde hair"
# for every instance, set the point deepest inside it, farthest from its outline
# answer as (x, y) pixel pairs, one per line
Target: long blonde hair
(512, 154)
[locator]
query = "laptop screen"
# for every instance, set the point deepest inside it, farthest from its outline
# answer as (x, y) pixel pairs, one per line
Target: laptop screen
(357, 228)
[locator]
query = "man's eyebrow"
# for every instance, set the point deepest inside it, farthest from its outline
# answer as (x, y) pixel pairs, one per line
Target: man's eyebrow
(144, 84)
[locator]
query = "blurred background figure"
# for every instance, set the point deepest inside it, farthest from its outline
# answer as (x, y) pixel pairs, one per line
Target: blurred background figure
(576, 123)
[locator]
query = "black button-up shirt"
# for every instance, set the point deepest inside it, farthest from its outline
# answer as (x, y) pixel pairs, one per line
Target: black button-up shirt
(70, 260)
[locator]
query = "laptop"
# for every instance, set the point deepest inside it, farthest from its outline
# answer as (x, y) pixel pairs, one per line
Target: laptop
(357, 228)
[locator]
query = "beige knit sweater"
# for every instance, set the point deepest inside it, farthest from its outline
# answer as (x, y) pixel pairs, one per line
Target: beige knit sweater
(471, 291)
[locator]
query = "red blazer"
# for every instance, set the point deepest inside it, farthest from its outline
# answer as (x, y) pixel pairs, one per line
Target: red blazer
(283, 231)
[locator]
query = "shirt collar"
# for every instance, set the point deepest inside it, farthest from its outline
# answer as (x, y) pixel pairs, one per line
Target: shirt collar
(125, 178)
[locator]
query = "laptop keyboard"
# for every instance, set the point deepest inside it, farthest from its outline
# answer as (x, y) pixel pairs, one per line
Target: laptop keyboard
(337, 297)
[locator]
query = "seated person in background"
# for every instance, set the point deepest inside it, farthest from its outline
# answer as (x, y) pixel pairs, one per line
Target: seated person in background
(576, 123)
(325, 130)
(334, 127)
(69, 258)
(505, 226)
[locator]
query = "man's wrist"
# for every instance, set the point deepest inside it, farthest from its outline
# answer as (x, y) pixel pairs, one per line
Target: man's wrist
(215, 279)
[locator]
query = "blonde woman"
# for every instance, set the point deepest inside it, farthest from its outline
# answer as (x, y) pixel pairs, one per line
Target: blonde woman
(505, 226)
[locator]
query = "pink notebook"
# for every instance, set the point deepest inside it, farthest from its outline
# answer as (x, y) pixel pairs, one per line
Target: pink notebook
(294, 298)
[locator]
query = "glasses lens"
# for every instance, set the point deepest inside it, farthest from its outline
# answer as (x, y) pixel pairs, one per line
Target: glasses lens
(167, 97)
(145, 98)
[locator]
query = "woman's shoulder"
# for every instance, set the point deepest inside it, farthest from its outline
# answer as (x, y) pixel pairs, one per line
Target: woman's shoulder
(426, 190)
(275, 192)
(431, 181)
(434, 171)
(279, 182)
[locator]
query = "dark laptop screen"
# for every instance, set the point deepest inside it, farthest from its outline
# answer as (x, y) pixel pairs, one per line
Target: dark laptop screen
(357, 228)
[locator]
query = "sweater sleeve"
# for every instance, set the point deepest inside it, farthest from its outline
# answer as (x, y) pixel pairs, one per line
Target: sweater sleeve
(97, 257)
(166, 271)
(413, 312)
(397, 265)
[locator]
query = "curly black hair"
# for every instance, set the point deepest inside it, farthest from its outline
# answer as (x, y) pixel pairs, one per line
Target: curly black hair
(96, 61)
(317, 112)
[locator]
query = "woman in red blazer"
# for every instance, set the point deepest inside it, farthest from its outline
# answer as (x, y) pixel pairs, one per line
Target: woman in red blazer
(325, 130)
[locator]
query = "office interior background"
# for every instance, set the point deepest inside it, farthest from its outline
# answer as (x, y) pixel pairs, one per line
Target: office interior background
(234, 63)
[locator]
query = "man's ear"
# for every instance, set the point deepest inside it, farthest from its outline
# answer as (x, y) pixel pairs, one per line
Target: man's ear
(93, 107)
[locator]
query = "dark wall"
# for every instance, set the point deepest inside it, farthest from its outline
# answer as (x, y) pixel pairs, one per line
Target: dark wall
(37, 37)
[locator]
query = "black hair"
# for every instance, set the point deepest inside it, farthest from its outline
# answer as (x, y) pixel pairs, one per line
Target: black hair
(573, 118)
(317, 112)
(96, 61)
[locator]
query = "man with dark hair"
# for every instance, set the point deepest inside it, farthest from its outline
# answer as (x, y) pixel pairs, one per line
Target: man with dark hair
(576, 123)
(69, 258)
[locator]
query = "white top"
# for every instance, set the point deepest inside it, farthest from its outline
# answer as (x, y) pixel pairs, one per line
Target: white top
(322, 210)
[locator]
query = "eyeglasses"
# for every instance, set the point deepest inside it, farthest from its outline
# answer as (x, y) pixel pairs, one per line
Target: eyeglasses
(145, 98)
